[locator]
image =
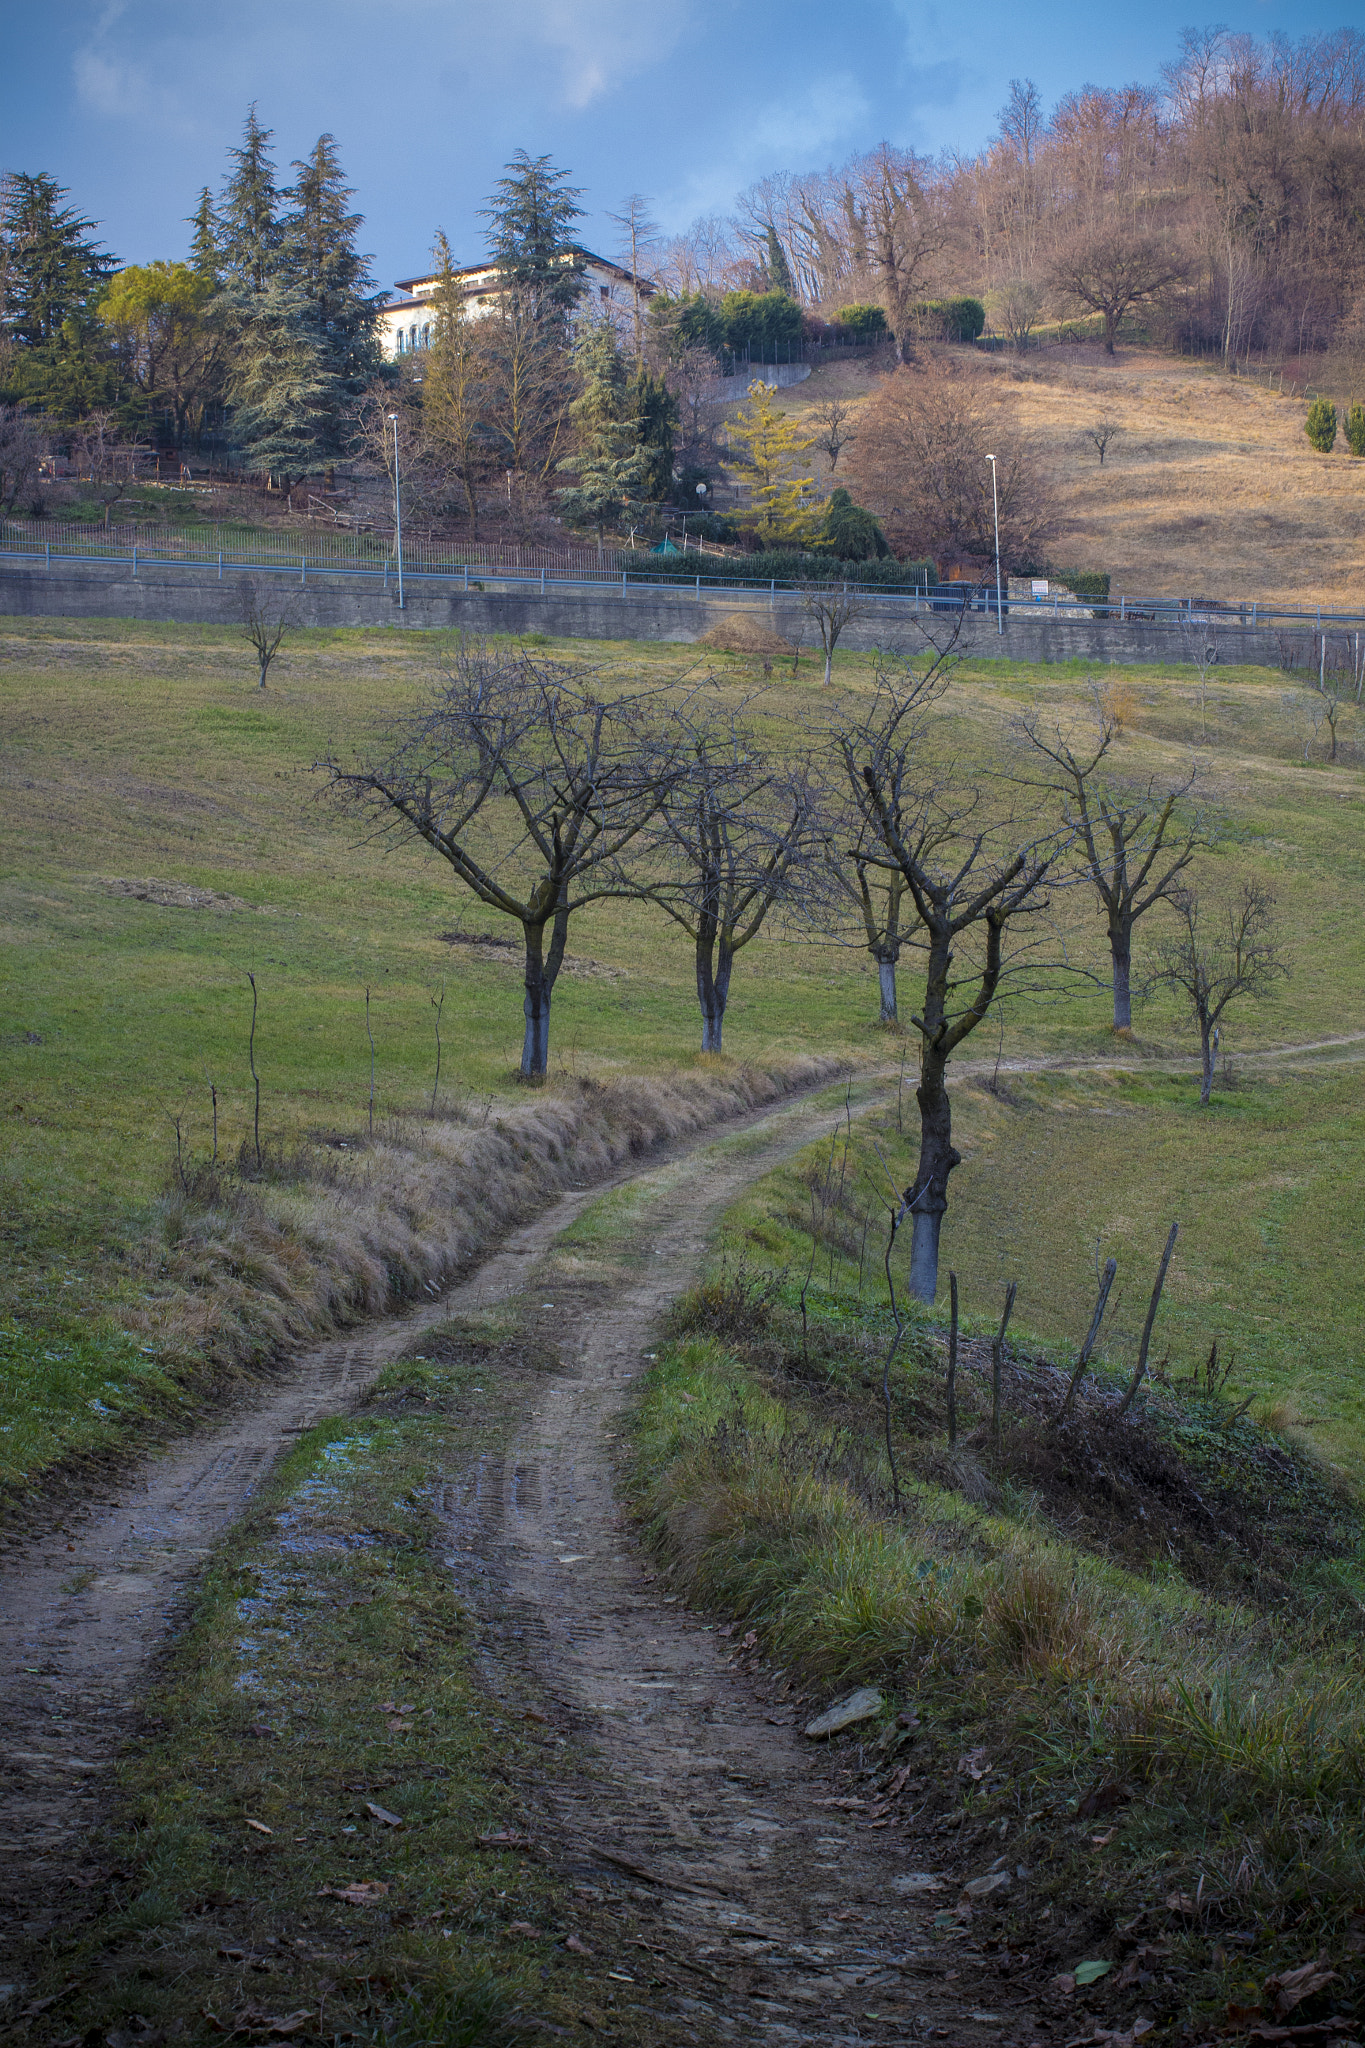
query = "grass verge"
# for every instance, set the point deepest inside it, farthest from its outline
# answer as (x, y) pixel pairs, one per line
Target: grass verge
(1122, 1659)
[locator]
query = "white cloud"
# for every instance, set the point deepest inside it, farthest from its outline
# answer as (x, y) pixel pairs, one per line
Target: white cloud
(109, 86)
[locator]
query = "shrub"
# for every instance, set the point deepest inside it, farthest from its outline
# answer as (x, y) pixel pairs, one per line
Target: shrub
(760, 321)
(949, 319)
(1083, 582)
(865, 320)
(1355, 430)
(851, 533)
(1321, 425)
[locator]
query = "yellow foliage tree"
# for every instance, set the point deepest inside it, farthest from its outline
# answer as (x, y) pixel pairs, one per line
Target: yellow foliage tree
(771, 443)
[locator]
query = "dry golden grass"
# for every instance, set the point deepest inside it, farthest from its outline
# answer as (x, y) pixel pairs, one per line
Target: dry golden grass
(1209, 489)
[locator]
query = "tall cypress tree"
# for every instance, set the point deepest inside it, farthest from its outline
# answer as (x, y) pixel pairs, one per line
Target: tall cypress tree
(779, 270)
(55, 276)
(611, 465)
(531, 215)
(250, 230)
(320, 238)
(204, 241)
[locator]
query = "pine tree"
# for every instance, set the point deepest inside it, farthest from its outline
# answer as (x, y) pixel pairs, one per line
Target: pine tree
(531, 215)
(319, 238)
(1355, 430)
(656, 410)
(55, 276)
(771, 442)
(250, 230)
(204, 242)
(779, 270)
(1321, 425)
(611, 466)
(284, 400)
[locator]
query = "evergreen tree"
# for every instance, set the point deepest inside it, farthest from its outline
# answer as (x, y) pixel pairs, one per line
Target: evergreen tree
(320, 238)
(770, 441)
(531, 215)
(779, 270)
(611, 466)
(55, 276)
(284, 400)
(204, 242)
(656, 410)
(849, 532)
(250, 231)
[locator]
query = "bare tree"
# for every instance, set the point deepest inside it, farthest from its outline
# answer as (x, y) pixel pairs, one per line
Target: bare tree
(1101, 435)
(975, 871)
(531, 785)
(1017, 305)
(1217, 956)
(896, 215)
(833, 432)
(105, 458)
(264, 624)
(920, 463)
(736, 831)
(1134, 843)
(830, 608)
(1330, 690)
(1199, 639)
(639, 242)
(23, 450)
(885, 908)
(1113, 270)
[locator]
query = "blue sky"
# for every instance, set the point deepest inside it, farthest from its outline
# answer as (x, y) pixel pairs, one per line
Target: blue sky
(133, 103)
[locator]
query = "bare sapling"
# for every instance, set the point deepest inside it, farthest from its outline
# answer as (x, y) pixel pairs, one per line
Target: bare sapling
(950, 1386)
(997, 1362)
(255, 1077)
(1217, 956)
(831, 609)
(180, 1157)
(1111, 1267)
(532, 785)
(437, 1004)
(734, 839)
(263, 625)
(1132, 842)
(213, 1099)
(886, 913)
(1101, 435)
(819, 1201)
(976, 870)
(1140, 1369)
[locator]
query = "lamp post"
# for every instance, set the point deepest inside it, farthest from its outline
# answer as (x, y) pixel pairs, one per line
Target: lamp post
(995, 501)
(397, 510)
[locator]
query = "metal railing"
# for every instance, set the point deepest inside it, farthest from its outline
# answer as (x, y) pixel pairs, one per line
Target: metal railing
(341, 554)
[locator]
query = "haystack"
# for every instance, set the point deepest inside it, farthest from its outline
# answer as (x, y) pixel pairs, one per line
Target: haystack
(742, 633)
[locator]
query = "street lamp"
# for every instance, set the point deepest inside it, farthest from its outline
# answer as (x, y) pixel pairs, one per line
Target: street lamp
(397, 510)
(995, 501)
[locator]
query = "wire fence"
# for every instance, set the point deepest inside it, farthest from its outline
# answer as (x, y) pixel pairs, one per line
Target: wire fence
(223, 550)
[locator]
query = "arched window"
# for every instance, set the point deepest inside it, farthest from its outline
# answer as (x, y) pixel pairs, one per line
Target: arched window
(426, 335)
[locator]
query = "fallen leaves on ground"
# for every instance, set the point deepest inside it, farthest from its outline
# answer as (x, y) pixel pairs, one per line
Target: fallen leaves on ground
(974, 1764)
(366, 1893)
(1102, 1799)
(1291, 1987)
(579, 1948)
(507, 1841)
(381, 1813)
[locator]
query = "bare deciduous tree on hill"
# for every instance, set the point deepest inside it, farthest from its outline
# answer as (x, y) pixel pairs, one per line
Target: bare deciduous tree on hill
(738, 830)
(531, 785)
(920, 463)
(1135, 843)
(1218, 955)
(976, 871)
(23, 447)
(1112, 270)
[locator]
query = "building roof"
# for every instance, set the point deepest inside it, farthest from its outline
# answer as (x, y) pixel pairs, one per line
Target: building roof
(488, 266)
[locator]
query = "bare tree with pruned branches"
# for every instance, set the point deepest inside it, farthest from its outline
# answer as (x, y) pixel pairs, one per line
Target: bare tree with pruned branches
(1217, 955)
(736, 831)
(976, 869)
(1134, 843)
(264, 622)
(531, 784)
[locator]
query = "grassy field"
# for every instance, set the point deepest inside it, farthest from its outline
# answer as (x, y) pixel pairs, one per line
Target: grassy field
(1209, 489)
(163, 837)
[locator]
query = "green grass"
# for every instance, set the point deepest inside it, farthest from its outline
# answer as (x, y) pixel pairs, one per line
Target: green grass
(1208, 1664)
(334, 1595)
(138, 753)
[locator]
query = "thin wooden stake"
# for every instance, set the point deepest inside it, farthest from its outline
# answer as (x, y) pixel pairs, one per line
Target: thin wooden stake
(370, 1035)
(437, 1006)
(1111, 1267)
(251, 1055)
(213, 1093)
(997, 1359)
(1126, 1403)
(886, 1363)
(952, 1359)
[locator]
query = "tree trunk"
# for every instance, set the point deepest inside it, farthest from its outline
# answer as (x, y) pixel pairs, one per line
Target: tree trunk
(540, 980)
(1206, 1056)
(1110, 326)
(713, 987)
(829, 664)
(1121, 948)
(886, 975)
(937, 1158)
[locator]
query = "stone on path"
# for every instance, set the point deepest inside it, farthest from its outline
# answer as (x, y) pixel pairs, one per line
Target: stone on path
(859, 1706)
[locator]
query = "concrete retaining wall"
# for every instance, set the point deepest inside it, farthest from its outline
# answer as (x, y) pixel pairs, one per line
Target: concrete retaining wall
(194, 596)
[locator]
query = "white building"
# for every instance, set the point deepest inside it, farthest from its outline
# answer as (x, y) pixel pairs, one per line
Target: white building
(407, 324)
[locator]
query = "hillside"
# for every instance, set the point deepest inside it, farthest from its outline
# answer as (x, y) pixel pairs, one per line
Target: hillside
(1209, 489)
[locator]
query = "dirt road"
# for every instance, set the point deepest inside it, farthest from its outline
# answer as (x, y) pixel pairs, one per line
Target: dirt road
(776, 1913)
